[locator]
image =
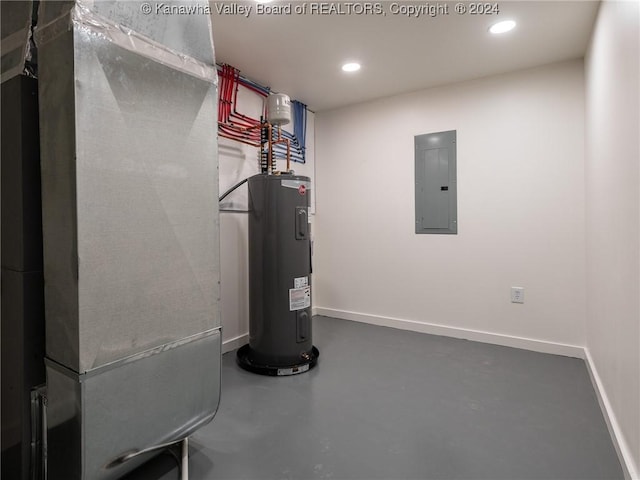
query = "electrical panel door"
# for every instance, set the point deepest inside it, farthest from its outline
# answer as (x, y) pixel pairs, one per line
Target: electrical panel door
(435, 183)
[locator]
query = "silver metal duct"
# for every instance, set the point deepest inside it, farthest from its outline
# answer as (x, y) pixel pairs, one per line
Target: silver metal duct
(131, 230)
(15, 33)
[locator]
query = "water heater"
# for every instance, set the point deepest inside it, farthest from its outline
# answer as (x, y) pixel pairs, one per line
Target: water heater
(280, 339)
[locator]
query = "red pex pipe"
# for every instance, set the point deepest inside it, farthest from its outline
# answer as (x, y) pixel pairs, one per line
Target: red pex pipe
(224, 92)
(242, 135)
(223, 95)
(235, 139)
(234, 112)
(227, 93)
(243, 130)
(220, 98)
(231, 123)
(238, 133)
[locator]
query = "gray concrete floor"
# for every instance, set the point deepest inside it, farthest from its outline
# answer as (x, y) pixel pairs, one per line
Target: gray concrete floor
(391, 404)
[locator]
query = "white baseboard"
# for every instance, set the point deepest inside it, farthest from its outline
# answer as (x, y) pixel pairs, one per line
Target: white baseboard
(456, 332)
(631, 471)
(623, 450)
(235, 342)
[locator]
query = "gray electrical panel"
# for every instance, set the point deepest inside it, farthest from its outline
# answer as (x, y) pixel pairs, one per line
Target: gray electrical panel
(436, 183)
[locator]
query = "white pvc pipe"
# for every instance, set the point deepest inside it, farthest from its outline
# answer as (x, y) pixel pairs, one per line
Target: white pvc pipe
(185, 460)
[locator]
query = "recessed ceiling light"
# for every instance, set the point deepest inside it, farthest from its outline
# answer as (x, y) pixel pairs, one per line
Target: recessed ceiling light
(350, 67)
(502, 27)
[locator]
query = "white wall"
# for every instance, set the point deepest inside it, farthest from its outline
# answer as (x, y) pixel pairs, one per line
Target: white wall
(239, 161)
(520, 209)
(613, 216)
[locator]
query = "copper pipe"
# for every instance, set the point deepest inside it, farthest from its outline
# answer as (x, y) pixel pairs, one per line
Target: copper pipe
(287, 142)
(288, 155)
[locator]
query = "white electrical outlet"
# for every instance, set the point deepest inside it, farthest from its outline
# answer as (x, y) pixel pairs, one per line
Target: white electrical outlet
(517, 294)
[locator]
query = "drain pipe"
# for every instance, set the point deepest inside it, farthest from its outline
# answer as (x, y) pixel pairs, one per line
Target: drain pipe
(185, 460)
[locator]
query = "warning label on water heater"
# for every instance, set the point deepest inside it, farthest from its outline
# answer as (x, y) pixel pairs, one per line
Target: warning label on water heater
(299, 298)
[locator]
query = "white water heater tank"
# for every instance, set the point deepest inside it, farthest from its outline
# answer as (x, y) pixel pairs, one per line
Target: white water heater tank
(278, 109)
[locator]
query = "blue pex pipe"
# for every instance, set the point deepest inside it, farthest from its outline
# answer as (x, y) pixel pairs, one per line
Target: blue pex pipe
(300, 124)
(280, 151)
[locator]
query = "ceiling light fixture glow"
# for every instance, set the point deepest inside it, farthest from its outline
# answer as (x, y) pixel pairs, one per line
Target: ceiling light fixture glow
(502, 27)
(350, 67)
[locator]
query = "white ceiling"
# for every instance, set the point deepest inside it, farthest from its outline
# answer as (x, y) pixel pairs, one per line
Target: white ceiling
(301, 55)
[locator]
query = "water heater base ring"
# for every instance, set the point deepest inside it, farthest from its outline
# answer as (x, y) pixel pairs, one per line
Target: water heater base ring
(244, 361)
